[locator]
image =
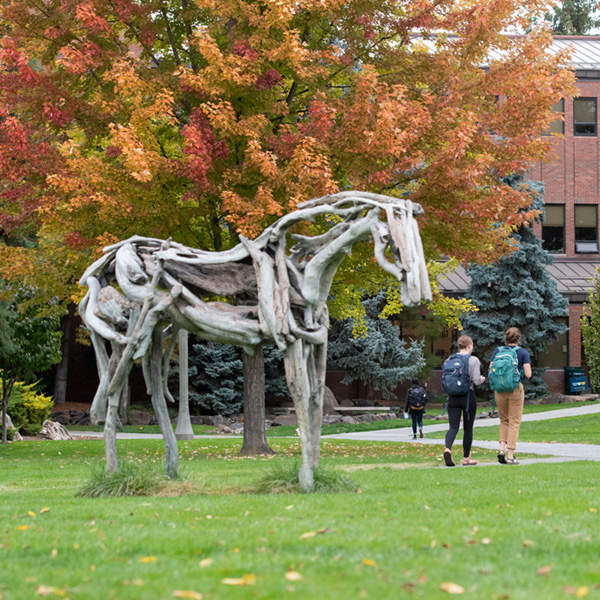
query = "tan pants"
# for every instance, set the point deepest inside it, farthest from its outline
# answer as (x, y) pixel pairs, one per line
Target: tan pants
(510, 409)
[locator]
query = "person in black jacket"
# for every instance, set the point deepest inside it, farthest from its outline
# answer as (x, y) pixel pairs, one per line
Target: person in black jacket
(416, 414)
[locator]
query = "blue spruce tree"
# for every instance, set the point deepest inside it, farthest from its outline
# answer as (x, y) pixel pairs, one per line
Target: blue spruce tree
(216, 377)
(517, 291)
(380, 359)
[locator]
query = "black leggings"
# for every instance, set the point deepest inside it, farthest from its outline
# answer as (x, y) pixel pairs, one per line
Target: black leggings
(457, 407)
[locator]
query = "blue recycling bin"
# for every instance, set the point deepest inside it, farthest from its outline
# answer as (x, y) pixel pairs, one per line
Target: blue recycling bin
(575, 380)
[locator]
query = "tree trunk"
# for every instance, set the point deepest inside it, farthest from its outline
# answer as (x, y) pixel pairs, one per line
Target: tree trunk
(255, 440)
(62, 368)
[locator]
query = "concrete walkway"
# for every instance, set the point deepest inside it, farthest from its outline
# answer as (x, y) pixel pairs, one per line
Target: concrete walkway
(556, 452)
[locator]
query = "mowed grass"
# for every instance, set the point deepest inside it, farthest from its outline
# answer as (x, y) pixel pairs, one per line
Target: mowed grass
(583, 429)
(524, 533)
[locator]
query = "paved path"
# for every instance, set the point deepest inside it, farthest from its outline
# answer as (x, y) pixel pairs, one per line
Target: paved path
(556, 452)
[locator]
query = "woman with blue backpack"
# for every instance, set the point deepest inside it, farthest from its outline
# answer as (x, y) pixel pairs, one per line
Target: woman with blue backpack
(509, 366)
(460, 374)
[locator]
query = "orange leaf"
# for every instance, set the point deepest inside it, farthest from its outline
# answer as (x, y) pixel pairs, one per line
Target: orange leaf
(544, 571)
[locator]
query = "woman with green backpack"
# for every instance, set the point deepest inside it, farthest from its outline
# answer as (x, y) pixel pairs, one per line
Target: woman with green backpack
(509, 365)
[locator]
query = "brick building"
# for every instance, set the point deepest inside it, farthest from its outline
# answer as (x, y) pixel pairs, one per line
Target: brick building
(572, 195)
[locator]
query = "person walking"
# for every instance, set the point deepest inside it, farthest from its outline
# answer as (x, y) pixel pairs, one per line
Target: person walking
(463, 405)
(416, 399)
(510, 365)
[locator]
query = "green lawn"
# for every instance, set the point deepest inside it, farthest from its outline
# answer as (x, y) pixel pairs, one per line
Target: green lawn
(576, 430)
(523, 533)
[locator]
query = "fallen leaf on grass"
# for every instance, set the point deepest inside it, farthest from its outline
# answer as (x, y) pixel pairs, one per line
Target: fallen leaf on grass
(147, 559)
(243, 580)
(205, 562)
(310, 534)
(544, 571)
(32, 514)
(527, 543)
(292, 575)
(48, 590)
(452, 588)
(582, 591)
(22, 527)
(592, 509)
(486, 541)
(187, 594)
(45, 509)
(369, 562)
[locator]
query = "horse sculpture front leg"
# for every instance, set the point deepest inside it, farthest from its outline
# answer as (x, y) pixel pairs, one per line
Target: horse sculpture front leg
(160, 405)
(298, 380)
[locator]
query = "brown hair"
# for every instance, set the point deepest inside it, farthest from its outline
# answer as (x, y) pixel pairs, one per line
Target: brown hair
(464, 341)
(512, 336)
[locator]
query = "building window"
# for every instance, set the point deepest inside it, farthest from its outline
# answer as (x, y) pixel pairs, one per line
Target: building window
(586, 228)
(557, 126)
(553, 229)
(555, 356)
(584, 116)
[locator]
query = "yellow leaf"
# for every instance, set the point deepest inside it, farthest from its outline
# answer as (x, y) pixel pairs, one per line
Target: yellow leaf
(582, 591)
(486, 541)
(206, 562)
(243, 580)
(369, 562)
(293, 576)
(76, 546)
(308, 534)
(22, 527)
(236, 550)
(592, 509)
(148, 559)
(187, 594)
(544, 571)
(31, 513)
(47, 590)
(452, 588)
(527, 543)
(45, 509)
(92, 567)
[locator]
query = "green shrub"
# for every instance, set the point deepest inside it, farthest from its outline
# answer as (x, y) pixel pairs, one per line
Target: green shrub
(28, 408)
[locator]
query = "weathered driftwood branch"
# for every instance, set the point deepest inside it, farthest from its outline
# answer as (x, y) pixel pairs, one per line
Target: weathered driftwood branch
(143, 285)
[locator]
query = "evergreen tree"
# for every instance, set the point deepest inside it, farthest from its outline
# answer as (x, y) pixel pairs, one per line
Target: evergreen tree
(517, 291)
(216, 378)
(575, 17)
(590, 331)
(380, 359)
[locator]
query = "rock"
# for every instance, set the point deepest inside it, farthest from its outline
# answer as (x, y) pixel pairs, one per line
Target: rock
(16, 437)
(237, 428)
(285, 420)
(224, 428)
(331, 419)
(349, 420)
(60, 417)
(196, 420)
(330, 404)
(215, 420)
(55, 431)
(139, 417)
(367, 418)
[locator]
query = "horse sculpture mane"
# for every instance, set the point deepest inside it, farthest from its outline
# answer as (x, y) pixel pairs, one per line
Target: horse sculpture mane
(144, 290)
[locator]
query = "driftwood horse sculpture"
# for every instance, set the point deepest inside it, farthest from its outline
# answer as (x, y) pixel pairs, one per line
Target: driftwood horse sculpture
(144, 290)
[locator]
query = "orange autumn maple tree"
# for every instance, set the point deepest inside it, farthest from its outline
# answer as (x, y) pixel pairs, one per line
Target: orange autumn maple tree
(200, 119)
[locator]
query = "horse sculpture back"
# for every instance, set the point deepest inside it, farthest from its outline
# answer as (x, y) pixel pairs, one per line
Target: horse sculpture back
(144, 290)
